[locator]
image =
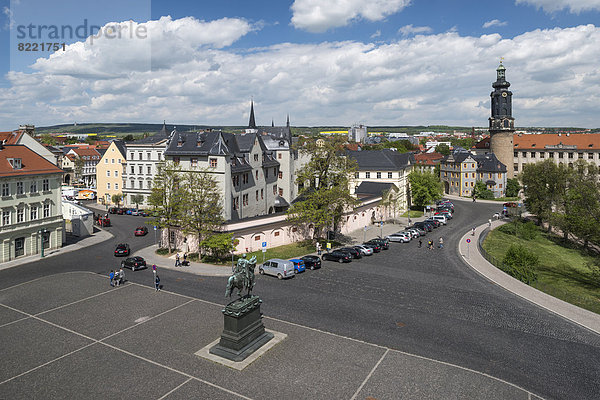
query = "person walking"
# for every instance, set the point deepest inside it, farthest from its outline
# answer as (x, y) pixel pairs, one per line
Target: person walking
(441, 242)
(116, 279)
(157, 283)
(489, 223)
(112, 277)
(185, 258)
(473, 232)
(122, 275)
(420, 242)
(430, 244)
(318, 248)
(177, 262)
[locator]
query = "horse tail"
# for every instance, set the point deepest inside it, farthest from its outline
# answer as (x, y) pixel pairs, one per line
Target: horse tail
(229, 287)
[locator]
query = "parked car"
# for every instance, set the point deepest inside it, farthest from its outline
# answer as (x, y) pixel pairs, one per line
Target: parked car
(112, 210)
(398, 237)
(282, 269)
(135, 212)
(433, 222)
(128, 211)
(134, 263)
(298, 265)
(143, 213)
(416, 232)
(122, 249)
(440, 218)
(141, 231)
(376, 248)
(408, 233)
(353, 252)
(120, 211)
(312, 262)
(365, 251)
(336, 255)
(383, 243)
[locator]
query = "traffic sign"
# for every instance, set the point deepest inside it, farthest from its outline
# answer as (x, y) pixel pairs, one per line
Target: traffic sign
(264, 250)
(264, 244)
(329, 245)
(154, 227)
(468, 240)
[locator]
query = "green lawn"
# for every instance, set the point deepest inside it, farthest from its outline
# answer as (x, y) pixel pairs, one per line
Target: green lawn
(563, 271)
(413, 214)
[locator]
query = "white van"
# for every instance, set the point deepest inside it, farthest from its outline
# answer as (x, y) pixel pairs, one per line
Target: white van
(440, 218)
(282, 269)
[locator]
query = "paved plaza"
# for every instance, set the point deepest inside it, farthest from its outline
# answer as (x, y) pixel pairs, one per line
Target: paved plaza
(71, 335)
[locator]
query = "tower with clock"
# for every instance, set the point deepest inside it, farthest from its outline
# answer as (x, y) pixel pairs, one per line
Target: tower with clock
(502, 124)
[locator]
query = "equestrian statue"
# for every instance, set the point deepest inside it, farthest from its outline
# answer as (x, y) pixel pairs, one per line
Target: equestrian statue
(242, 277)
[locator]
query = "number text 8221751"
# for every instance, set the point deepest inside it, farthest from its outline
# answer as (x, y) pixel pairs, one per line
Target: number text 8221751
(43, 46)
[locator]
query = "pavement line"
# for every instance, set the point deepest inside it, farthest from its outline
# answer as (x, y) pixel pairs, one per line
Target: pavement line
(12, 322)
(370, 374)
(175, 370)
(174, 389)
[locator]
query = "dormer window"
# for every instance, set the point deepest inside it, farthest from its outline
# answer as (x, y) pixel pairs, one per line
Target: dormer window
(15, 163)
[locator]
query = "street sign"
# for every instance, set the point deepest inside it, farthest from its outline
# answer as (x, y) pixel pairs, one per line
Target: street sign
(381, 223)
(468, 240)
(329, 245)
(264, 244)
(154, 227)
(264, 250)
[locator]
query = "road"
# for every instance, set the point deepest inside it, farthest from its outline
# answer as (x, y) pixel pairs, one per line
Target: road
(420, 301)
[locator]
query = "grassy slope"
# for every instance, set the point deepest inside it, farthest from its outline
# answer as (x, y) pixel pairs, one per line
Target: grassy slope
(563, 271)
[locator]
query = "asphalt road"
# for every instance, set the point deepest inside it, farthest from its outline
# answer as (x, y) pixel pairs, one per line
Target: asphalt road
(424, 302)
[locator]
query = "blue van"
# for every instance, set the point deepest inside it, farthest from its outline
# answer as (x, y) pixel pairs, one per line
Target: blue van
(298, 265)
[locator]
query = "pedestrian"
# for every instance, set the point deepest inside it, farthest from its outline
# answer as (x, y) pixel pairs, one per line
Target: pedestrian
(473, 232)
(441, 241)
(112, 277)
(117, 279)
(420, 242)
(318, 248)
(157, 283)
(185, 257)
(430, 244)
(489, 223)
(177, 262)
(122, 275)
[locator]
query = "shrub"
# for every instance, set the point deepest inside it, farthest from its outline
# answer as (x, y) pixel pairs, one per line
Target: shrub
(528, 230)
(521, 263)
(509, 229)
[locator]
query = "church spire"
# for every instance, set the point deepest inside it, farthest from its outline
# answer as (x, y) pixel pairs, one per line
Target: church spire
(288, 121)
(252, 122)
(272, 123)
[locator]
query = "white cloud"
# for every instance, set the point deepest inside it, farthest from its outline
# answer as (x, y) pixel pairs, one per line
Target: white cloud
(425, 79)
(376, 34)
(574, 6)
(320, 15)
(407, 30)
(494, 22)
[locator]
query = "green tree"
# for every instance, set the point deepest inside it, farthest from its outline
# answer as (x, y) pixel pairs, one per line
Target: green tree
(79, 163)
(512, 187)
(166, 198)
(48, 139)
(443, 148)
(521, 263)
(202, 211)
(482, 192)
(218, 244)
(137, 199)
(128, 138)
(425, 188)
(117, 198)
(324, 195)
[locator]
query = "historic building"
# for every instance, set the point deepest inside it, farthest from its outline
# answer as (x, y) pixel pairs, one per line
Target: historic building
(502, 124)
(31, 209)
(110, 172)
(426, 162)
(90, 158)
(461, 170)
(25, 136)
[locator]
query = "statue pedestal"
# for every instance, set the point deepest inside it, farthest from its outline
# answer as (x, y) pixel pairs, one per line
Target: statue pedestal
(243, 331)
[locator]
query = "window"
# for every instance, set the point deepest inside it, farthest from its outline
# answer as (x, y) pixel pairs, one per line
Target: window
(213, 162)
(256, 157)
(148, 156)
(533, 154)
(500, 186)
(116, 186)
(116, 173)
(46, 211)
(20, 215)
(141, 184)
(33, 213)
(19, 188)
(516, 154)
(499, 175)
(279, 156)
(590, 156)
(33, 187)
(257, 195)
(560, 155)
(516, 167)
(262, 193)
(280, 176)
(570, 155)
(524, 154)
(257, 238)
(245, 199)
(281, 192)
(193, 162)
(367, 175)
(6, 217)
(132, 184)
(390, 175)
(551, 154)
(140, 156)
(580, 155)
(108, 173)
(256, 174)
(107, 185)
(356, 175)
(106, 161)
(542, 154)
(140, 167)
(149, 170)
(379, 175)
(45, 185)
(133, 169)
(266, 173)
(276, 233)
(473, 175)
(274, 190)
(236, 204)
(19, 247)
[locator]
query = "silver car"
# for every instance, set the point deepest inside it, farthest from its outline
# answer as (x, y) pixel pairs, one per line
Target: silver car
(415, 233)
(398, 237)
(282, 269)
(366, 251)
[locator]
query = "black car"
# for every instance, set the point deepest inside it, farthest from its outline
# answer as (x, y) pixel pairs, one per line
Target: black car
(353, 252)
(383, 243)
(426, 226)
(122, 249)
(336, 255)
(112, 210)
(312, 262)
(376, 247)
(134, 263)
(433, 222)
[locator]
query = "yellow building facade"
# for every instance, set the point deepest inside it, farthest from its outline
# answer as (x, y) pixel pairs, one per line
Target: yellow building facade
(109, 173)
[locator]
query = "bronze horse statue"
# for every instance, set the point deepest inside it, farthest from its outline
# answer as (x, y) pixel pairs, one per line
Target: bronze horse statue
(243, 277)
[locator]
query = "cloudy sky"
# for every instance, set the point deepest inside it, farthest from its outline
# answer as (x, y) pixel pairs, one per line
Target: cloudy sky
(336, 62)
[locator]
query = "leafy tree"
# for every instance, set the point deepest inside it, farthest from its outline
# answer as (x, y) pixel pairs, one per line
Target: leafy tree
(512, 187)
(128, 138)
(218, 244)
(79, 163)
(137, 199)
(117, 198)
(202, 210)
(465, 143)
(425, 188)
(90, 139)
(521, 263)
(325, 193)
(443, 148)
(482, 192)
(166, 198)
(48, 139)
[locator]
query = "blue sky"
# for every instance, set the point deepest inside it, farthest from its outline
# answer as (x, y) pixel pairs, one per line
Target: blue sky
(338, 62)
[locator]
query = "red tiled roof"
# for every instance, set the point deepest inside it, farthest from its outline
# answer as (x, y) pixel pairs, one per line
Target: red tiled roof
(89, 152)
(483, 143)
(428, 158)
(583, 141)
(32, 163)
(10, 137)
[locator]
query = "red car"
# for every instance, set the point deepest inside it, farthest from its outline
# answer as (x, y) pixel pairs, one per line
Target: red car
(141, 231)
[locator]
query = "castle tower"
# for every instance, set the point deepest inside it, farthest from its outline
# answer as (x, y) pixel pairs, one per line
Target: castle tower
(502, 124)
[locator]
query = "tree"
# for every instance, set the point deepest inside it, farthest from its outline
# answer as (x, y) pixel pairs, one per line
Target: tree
(117, 198)
(425, 188)
(325, 194)
(128, 138)
(137, 199)
(202, 212)
(48, 139)
(443, 148)
(482, 192)
(218, 244)
(512, 187)
(521, 263)
(166, 198)
(79, 163)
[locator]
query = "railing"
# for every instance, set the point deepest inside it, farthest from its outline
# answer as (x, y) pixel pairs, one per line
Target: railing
(493, 260)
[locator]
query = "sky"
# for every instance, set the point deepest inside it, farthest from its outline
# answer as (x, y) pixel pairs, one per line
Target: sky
(336, 62)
